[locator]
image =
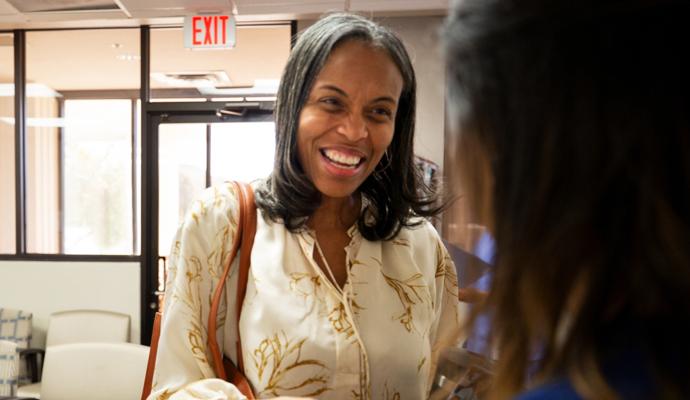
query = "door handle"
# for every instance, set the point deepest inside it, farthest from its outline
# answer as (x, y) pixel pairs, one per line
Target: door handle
(230, 112)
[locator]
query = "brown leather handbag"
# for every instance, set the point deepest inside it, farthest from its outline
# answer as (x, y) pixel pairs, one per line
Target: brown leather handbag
(244, 239)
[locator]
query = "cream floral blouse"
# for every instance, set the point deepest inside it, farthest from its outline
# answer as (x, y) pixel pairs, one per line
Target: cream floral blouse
(301, 336)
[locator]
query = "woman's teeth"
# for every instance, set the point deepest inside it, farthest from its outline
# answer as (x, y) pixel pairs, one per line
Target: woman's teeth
(342, 159)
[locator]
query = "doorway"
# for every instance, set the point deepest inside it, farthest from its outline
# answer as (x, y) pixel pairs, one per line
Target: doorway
(197, 145)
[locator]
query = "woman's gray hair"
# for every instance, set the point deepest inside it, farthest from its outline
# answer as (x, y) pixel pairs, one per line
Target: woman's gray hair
(393, 190)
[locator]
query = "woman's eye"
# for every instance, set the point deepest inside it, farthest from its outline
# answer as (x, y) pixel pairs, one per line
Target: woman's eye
(382, 112)
(331, 102)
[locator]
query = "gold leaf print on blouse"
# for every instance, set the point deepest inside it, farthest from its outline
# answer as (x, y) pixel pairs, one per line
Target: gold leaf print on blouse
(339, 321)
(165, 395)
(421, 364)
(174, 256)
(444, 268)
(217, 199)
(356, 308)
(363, 394)
(388, 395)
(440, 261)
(401, 242)
(280, 356)
(408, 292)
(193, 273)
(218, 256)
(304, 283)
(352, 262)
(196, 341)
(199, 210)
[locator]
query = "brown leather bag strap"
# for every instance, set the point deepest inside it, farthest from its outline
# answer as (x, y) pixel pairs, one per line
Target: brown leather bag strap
(153, 350)
(244, 240)
(249, 231)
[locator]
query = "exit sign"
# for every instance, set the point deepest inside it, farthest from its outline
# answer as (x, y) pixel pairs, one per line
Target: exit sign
(209, 31)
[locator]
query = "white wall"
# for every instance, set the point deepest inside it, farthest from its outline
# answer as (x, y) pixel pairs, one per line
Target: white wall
(44, 287)
(419, 34)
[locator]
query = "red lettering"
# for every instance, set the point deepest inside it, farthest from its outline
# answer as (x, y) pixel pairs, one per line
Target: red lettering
(215, 30)
(195, 41)
(224, 20)
(207, 26)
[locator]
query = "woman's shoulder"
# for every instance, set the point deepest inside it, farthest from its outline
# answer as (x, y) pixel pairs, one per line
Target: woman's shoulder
(215, 204)
(423, 240)
(421, 233)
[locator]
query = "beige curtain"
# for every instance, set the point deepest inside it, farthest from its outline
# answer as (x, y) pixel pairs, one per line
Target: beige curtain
(7, 210)
(42, 191)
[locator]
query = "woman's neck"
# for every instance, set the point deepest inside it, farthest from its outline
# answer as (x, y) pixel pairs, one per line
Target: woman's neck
(335, 213)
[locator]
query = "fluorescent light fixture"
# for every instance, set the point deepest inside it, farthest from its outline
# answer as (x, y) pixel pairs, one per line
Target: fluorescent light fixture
(262, 87)
(32, 90)
(179, 100)
(228, 99)
(128, 57)
(261, 98)
(38, 122)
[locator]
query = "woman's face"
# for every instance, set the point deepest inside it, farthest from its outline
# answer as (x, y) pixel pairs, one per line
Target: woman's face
(348, 120)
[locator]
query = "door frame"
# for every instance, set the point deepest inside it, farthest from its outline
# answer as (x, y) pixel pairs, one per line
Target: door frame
(154, 114)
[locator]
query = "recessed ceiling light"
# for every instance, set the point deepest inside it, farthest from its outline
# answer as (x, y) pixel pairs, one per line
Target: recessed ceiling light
(128, 57)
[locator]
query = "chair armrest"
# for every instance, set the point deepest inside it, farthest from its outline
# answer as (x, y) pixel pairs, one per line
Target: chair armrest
(31, 355)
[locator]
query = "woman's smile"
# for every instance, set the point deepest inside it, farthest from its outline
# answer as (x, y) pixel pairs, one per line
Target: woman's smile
(342, 163)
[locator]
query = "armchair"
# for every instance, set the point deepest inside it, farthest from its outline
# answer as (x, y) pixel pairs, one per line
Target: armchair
(80, 326)
(15, 335)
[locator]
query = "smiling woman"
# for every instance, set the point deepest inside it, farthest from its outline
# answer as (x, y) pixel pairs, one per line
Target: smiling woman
(346, 278)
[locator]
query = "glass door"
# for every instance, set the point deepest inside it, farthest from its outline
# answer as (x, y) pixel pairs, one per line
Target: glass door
(195, 149)
(193, 156)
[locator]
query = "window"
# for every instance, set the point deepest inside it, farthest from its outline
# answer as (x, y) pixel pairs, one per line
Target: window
(182, 175)
(79, 147)
(97, 177)
(242, 151)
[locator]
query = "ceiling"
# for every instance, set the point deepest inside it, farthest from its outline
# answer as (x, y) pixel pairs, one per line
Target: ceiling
(36, 14)
(107, 59)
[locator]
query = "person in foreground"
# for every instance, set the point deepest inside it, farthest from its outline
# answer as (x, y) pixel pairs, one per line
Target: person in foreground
(579, 115)
(351, 294)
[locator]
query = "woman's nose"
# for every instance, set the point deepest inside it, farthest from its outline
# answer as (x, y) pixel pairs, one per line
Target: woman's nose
(354, 127)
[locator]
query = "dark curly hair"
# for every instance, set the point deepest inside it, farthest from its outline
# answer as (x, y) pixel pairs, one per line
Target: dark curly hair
(395, 191)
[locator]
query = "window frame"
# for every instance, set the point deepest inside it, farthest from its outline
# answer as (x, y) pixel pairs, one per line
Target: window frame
(139, 132)
(20, 154)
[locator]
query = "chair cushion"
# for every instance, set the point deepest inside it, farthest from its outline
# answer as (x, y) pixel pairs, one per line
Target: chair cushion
(94, 371)
(32, 391)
